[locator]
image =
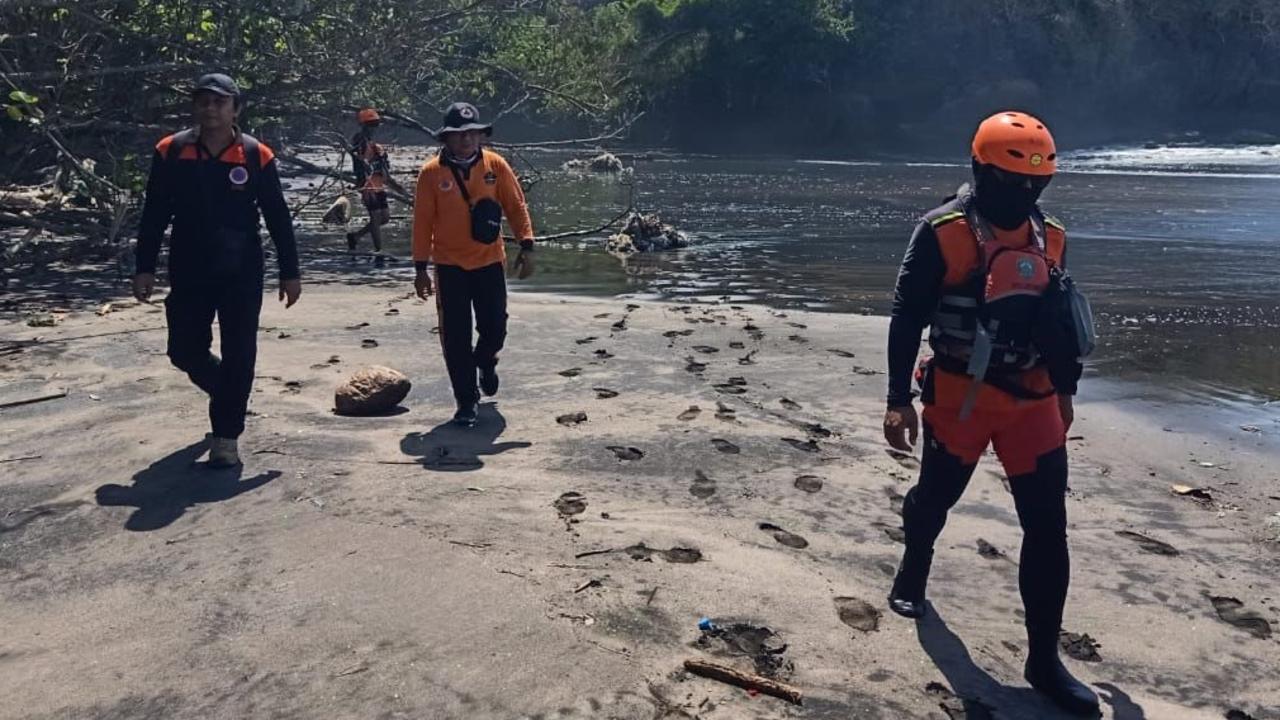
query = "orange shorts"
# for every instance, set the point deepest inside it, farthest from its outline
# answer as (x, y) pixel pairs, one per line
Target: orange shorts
(1020, 435)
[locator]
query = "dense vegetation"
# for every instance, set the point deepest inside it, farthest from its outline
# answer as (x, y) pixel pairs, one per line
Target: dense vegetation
(100, 79)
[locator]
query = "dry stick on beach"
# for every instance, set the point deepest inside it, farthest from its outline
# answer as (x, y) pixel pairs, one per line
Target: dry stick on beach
(31, 401)
(745, 680)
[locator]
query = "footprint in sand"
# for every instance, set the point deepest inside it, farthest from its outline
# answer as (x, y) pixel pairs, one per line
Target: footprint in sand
(989, 551)
(626, 454)
(748, 359)
(706, 349)
(804, 445)
(858, 614)
(603, 354)
(570, 504)
(725, 413)
(620, 325)
(790, 404)
(694, 366)
(895, 501)
(738, 345)
(841, 353)
(605, 393)
(729, 389)
(368, 343)
(586, 340)
(703, 487)
(958, 708)
(809, 483)
(1232, 611)
(1151, 545)
(814, 429)
(895, 534)
(693, 412)
(681, 555)
(571, 372)
(783, 537)
(798, 339)
(802, 326)
(601, 316)
(677, 333)
(906, 460)
(1079, 647)
(725, 446)
(572, 419)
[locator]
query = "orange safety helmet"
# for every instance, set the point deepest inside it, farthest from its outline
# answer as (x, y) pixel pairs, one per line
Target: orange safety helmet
(1016, 142)
(369, 116)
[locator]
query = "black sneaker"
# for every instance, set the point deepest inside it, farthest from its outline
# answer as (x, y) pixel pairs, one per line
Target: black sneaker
(489, 381)
(351, 241)
(466, 415)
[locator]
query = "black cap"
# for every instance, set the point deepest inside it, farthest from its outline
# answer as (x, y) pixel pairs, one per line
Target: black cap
(461, 117)
(216, 83)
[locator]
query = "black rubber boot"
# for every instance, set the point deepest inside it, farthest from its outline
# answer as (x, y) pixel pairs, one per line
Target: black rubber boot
(1046, 673)
(907, 596)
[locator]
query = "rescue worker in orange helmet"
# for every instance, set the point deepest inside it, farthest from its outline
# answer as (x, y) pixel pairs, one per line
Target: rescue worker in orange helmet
(373, 176)
(977, 272)
(462, 195)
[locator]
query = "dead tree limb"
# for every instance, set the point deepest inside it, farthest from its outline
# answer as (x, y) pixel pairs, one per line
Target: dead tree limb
(745, 680)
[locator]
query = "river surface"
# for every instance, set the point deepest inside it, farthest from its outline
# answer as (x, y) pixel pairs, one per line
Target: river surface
(1177, 247)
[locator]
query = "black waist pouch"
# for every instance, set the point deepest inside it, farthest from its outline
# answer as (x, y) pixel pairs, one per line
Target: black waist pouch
(486, 221)
(486, 213)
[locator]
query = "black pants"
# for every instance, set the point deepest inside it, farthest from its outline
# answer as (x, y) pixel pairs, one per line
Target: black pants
(190, 309)
(458, 292)
(1040, 498)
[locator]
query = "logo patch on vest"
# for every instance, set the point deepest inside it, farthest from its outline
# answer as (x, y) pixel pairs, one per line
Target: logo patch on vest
(1026, 268)
(446, 185)
(239, 175)
(490, 178)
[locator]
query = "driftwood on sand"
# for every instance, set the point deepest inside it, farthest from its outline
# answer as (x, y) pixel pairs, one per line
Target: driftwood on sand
(745, 680)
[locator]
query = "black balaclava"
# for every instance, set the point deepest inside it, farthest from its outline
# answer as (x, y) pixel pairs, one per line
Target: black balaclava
(1005, 205)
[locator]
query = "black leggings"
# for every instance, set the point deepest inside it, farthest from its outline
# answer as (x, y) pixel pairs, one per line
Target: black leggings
(458, 293)
(1040, 498)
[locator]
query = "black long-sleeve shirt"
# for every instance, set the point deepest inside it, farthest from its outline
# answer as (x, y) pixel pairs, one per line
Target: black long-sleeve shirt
(199, 194)
(915, 297)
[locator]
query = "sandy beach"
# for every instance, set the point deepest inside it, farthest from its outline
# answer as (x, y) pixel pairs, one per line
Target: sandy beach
(730, 466)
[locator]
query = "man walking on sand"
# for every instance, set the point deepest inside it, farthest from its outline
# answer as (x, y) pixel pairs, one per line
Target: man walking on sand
(986, 272)
(212, 182)
(463, 193)
(373, 176)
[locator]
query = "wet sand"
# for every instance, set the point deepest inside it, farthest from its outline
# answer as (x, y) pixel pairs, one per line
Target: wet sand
(396, 567)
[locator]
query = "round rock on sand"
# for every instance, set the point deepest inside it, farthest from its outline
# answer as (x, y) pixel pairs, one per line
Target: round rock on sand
(371, 390)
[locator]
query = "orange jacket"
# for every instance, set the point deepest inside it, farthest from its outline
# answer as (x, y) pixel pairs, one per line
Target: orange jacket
(442, 218)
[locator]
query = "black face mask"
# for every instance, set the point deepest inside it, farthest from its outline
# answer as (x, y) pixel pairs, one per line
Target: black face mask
(1006, 199)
